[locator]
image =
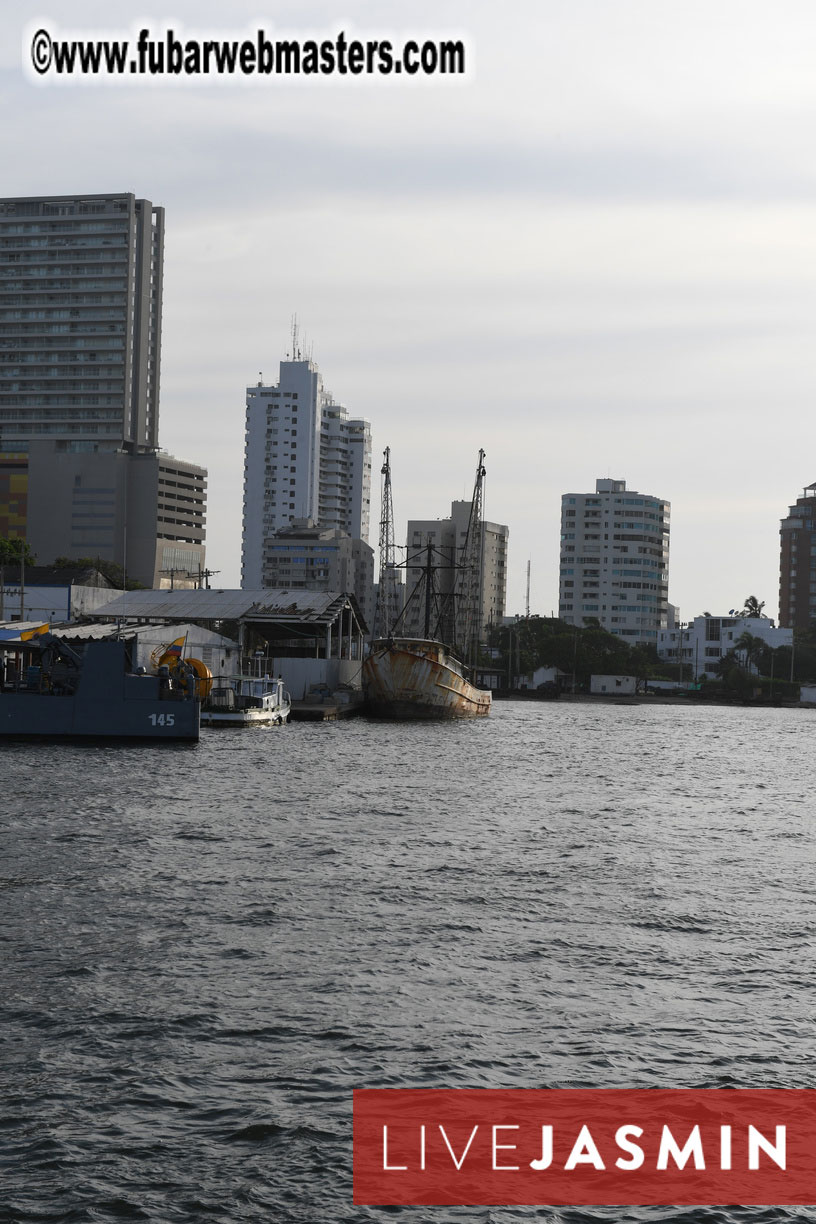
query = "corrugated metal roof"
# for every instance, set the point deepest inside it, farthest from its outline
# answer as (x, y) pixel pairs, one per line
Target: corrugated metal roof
(158, 633)
(315, 607)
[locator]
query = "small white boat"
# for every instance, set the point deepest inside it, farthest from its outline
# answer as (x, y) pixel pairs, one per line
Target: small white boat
(247, 701)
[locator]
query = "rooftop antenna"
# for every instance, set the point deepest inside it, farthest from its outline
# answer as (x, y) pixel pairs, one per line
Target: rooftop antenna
(295, 349)
(527, 602)
(260, 378)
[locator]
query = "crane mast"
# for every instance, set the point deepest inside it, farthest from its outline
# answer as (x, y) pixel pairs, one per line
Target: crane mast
(388, 593)
(469, 586)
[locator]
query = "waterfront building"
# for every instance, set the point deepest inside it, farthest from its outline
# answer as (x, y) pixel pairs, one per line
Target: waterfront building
(447, 538)
(304, 556)
(305, 458)
(310, 638)
(703, 642)
(614, 564)
(797, 562)
(81, 473)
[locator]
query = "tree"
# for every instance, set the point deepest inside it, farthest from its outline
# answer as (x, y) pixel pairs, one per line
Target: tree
(752, 647)
(15, 552)
(752, 607)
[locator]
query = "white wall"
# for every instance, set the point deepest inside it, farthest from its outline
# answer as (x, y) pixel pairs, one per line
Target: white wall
(620, 685)
(300, 674)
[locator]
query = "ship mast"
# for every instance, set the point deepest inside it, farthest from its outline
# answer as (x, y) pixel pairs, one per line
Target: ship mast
(388, 592)
(468, 615)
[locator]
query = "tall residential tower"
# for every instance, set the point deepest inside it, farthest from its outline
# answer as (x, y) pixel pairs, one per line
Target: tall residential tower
(305, 458)
(615, 561)
(797, 563)
(80, 348)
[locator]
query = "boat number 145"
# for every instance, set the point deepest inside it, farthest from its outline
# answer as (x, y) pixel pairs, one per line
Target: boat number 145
(162, 720)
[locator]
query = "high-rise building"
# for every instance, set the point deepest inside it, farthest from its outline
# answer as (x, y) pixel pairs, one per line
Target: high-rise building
(797, 563)
(80, 346)
(305, 458)
(80, 321)
(615, 561)
(447, 537)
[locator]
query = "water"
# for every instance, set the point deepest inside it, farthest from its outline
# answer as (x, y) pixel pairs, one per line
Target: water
(205, 949)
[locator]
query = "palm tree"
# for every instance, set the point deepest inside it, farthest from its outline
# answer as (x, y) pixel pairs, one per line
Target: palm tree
(752, 647)
(752, 607)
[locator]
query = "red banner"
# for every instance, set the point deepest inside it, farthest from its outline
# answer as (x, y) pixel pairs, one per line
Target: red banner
(754, 1146)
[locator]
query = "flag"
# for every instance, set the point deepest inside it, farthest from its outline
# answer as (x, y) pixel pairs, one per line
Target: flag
(27, 634)
(8, 634)
(175, 648)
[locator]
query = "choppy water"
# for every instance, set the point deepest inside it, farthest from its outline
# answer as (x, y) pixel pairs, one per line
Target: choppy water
(205, 949)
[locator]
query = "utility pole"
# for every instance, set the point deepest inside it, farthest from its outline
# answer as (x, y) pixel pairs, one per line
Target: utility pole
(172, 573)
(206, 575)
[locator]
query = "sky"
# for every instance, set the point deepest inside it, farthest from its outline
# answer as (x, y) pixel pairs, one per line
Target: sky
(594, 256)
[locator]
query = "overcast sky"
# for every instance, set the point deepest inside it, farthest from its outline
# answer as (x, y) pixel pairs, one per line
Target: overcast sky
(594, 257)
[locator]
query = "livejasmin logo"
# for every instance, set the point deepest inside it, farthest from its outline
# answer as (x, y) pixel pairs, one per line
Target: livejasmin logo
(584, 1147)
(584, 1151)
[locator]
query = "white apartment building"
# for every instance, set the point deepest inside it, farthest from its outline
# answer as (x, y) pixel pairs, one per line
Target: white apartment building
(447, 537)
(615, 561)
(305, 458)
(707, 639)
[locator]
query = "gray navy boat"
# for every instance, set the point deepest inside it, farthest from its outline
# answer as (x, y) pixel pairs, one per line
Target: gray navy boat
(49, 689)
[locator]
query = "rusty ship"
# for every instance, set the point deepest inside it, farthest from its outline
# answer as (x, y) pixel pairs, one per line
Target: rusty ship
(423, 676)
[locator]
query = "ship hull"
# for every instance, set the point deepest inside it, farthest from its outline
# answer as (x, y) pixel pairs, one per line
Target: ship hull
(419, 680)
(107, 702)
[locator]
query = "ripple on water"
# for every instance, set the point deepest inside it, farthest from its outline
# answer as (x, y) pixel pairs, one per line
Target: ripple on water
(202, 961)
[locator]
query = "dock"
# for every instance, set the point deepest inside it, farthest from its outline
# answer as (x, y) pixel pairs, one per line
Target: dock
(325, 711)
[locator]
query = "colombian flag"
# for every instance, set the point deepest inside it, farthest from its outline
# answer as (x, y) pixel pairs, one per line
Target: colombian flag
(175, 648)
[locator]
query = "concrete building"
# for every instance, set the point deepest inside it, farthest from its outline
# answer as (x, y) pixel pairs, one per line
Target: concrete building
(304, 556)
(797, 562)
(80, 352)
(146, 511)
(305, 458)
(707, 639)
(447, 537)
(615, 561)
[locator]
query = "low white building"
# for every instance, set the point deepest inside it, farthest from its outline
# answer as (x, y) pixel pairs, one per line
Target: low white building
(539, 678)
(619, 686)
(704, 641)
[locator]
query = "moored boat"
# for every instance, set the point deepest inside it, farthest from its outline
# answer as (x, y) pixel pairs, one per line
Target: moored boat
(247, 701)
(412, 678)
(49, 689)
(423, 676)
